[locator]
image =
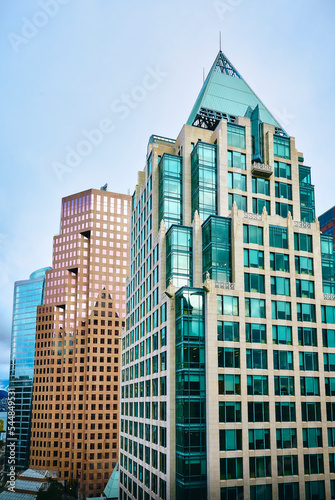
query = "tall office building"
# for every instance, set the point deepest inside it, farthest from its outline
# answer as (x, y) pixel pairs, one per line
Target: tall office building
(28, 294)
(75, 424)
(327, 223)
(228, 356)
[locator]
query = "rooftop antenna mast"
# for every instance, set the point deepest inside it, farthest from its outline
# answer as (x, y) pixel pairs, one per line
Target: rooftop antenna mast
(220, 39)
(203, 75)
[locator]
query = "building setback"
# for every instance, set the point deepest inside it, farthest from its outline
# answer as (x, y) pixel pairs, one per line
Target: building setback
(327, 223)
(28, 294)
(75, 424)
(229, 350)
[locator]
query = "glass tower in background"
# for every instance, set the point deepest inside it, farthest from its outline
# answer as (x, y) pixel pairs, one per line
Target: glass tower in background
(228, 357)
(28, 294)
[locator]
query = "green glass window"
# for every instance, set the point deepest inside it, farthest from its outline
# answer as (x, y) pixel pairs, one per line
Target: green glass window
(309, 386)
(236, 160)
(255, 308)
(231, 493)
(258, 412)
(254, 283)
(229, 411)
(261, 492)
(280, 286)
(303, 265)
(253, 258)
(287, 465)
(228, 357)
(308, 361)
(227, 305)
(310, 411)
(279, 262)
(235, 135)
(328, 338)
(330, 386)
(288, 491)
(281, 147)
(229, 384)
(283, 209)
(231, 468)
(331, 436)
(228, 331)
(259, 439)
(230, 440)
(216, 248)
(237, 181)
(253, 234)
(328, 314)
(204, 179)
(303, 242)
(278, 237)
(255, 332)
(332, 463)
(285, 411)
(257, 358)
(170, 189)
(284, 386)
(283, 190)
(305, 289)
(329, 361)
(282, 334)
(313, 464)
(312, 437)
(281, 310)
(286, 438)
(258, 204)
(260, 466)
(283, 360)
(257, 385)
(179, 256)
(307, 336)
(282, 170)
(241, 201)
(305, 312)
(260, 186)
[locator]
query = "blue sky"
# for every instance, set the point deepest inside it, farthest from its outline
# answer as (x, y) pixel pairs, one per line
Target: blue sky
(131, 69)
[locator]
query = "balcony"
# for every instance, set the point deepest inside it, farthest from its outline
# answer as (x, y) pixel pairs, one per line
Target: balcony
(261, 170)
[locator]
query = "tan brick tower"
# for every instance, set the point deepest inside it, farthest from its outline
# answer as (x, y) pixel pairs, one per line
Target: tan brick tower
(75, 422)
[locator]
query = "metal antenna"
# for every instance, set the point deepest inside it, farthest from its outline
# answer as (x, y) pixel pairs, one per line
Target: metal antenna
(220, 39)
(203, 75)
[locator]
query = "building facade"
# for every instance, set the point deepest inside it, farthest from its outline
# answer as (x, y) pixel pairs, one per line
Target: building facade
(229, 350)
(28, 294)
(327, 223)
(75, 421)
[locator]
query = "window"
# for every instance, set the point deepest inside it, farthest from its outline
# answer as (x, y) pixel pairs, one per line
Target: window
(257, 359)
(283, 209)
(329, 362)
(281, 310)
(253, 258)
(281, 147)
(259, 439)
(230, 440)
(283, 360)
(231, 493)
(312, 437)
(287, 465)
(280, 286)
(282, 334)
(306, 312)
(241, 201)
(228, 331)
(253, 234)
(303, 265)
(255, 332)
(309, 386)
(331, 437)
(288, 491)
(283, 190)
(260, 186)
(307, 336)
(328, 338)
(282, 170)
(255, 308)
(231, 468)
(236, 160)
(229, 412)
(285, 412)
(328, 314)
(278, 237)
(308, 361)
(237, 181)
(279, 262)
(235, 136)
(227, 305)
(260, 466)
(303, 242)
(257, 385)
(286, 438)
(284, 386)
(313, 464)
(229, 384)
(261, 492)
(258, 412)
(258, 205)
(305, 289)
(228, 357)
(310, 411)
(254, 283)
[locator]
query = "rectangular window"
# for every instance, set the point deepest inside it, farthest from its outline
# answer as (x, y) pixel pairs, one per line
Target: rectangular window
(237, 181)
(303, 265)
(305, 289)
(236, 160)
(278, 237)
(313, 464)
(282, 170)
(282, 334)
(253, 258)
(260, 466)
(280, 286)
(258, 412)
(281, 147)
(260, 492)
(259, 439)
(229, 384)
(287, 465)
(230, 439)
(283, 360)
(253, 234)
(285, 412)
(279, 262)
(228, 357)
(286, 438)
(281, 310)
(229, 412)
(328, 338)
(257, 359)
(284, 386)
(231, 493)
(308, 361)
(255, 333)
(255, 308)
(288, 491)
(253, 283)
(312, 437)
(306, 312)
(330, 386)
(307, 336)
(303, 242)
(283, 190)
(283, 209)
(227, 305)
(309, 386)
(241, 201)
(257, 385)
(235, 135)
(260, 186)
(258, 204)
(329, 361)
(231, 468)
(331, 436)
(310, 411)
(228, 331)
(328, 314)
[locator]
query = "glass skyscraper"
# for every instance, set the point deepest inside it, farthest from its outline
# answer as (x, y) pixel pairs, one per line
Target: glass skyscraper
(28, 294)
(228, 357)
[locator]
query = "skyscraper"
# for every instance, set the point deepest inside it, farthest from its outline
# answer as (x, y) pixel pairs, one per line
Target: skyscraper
(76, 380)
(229, 348)
(28, 294)
(327, 223)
